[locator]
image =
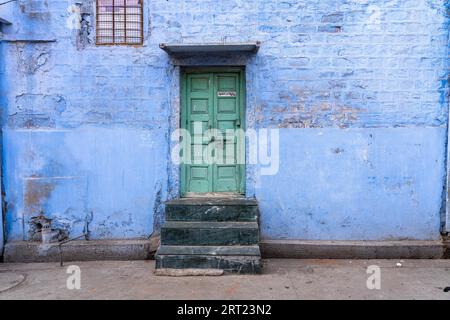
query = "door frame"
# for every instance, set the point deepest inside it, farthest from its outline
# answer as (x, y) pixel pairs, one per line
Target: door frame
(242, 107)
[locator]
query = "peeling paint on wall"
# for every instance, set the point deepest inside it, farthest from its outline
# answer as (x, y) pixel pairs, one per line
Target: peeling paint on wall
(327, 115)
(85, 33)
(37, 192)
(158, 208)
(31, 59)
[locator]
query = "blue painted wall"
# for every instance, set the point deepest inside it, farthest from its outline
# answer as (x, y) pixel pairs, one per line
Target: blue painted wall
(357, 88)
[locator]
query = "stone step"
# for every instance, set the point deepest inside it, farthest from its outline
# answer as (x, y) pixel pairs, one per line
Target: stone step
(200, 209)
(228, 263)
(209, 233)
(210, 250)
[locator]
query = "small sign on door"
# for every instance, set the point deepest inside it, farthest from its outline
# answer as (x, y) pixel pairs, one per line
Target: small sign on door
(226, 93)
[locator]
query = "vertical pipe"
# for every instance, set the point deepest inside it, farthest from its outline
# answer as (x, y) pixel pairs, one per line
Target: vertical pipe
(445, 204)
(446, 195)
(2, 114)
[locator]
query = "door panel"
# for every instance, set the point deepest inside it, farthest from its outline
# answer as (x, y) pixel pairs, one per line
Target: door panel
(199, 112)
(212, 111)
(227, 116)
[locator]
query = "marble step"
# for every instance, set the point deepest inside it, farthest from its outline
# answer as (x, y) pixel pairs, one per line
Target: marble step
(204, 209)
(209, 233)
(227, 263)
(210, 250)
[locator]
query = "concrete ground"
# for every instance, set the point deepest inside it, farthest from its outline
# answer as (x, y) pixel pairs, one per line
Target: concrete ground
(281, 279)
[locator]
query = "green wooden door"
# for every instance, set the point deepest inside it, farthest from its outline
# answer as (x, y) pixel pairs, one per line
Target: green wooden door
(213, 113)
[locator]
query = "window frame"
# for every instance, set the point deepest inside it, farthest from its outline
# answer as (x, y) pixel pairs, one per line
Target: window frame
(141, 21)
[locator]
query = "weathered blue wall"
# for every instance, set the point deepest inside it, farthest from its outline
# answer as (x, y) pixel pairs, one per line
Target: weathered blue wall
(358, 89)
(355, 184)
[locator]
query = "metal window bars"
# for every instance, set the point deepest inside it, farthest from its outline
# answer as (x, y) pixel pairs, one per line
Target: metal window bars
(119, 22)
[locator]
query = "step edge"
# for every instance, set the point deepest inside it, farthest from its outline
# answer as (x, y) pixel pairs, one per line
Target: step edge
(253, 250)
(176, 224)
(186, 272)
(226, 257)
(214, 202)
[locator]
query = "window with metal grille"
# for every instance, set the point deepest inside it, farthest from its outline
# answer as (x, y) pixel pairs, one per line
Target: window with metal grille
(119, 22)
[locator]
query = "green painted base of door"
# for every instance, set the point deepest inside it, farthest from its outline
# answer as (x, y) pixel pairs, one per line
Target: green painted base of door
(213, 114)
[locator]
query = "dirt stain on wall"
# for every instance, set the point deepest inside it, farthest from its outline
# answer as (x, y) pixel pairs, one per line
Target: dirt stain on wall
(37, 192)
